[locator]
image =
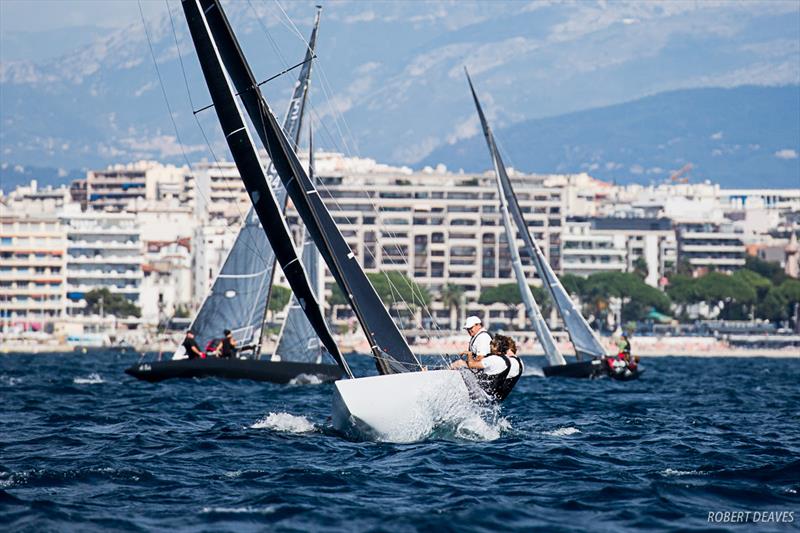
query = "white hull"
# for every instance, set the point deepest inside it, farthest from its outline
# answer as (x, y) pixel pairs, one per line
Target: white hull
(402, 407)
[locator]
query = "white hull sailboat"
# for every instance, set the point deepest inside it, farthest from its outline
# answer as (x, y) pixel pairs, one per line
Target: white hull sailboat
(376, 404)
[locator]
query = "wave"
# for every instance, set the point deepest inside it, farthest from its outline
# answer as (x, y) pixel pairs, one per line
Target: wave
(10, 380)
(437, 413)
(562, 432)
(306, 379)
(533, 371)
(285, 422)
(677, 473)
(238, 510)
(92, 379)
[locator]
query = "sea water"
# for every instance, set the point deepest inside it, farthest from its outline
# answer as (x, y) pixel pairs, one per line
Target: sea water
(85, 447)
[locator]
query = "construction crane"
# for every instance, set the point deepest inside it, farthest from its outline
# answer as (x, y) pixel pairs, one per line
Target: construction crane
(677, 176)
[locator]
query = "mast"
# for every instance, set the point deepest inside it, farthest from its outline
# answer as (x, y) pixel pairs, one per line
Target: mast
(239, 296)
(392, 353)
(252, 172)
(580, 334)
(551, 351)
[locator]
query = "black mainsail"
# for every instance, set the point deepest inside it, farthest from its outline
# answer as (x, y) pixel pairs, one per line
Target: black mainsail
(392, 353)
(238, 297)
(551, 351)
(581, 335)
(244, 153)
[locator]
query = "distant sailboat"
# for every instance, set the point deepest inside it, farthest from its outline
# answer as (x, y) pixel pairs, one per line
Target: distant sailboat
(379, 403)
(240, 293)
(587, 345)
(297, 340)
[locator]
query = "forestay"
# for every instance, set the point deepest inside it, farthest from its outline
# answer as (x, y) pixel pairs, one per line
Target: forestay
(551, 351)
(392, 353)
(240, 293)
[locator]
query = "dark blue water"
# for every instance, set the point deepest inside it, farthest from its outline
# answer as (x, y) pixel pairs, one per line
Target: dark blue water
(85, 447)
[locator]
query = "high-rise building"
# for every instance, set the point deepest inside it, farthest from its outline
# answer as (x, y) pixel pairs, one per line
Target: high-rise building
(118, 186)
(585, 252)
(436, 227)
(32, 270)
(706, 247)
(104, 250)
(648, 241)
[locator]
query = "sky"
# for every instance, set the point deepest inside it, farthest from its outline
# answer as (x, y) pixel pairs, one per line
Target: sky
(46, 15)
(79, 83)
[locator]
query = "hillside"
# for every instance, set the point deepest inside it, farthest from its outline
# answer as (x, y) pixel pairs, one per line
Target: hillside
(741, 137)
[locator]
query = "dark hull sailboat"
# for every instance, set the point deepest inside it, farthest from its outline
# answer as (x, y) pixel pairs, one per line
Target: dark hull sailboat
(239, 295)
(591, 358)
(592, 369)
(253, 369)
(581, 369)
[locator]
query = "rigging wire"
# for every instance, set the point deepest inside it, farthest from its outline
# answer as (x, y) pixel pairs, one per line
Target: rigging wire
(338, 117)
(251, 244)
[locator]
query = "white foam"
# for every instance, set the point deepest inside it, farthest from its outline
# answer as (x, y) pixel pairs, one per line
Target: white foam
(239, 510)
(306, 379)
(562, 432)
(533, 371)
(10, 380)
(671, 472)
(284, 422)
(443, 412)
(92, 379)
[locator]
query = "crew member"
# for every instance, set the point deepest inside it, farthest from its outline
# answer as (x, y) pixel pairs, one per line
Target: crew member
(190, 345)
(227, 346)
(480, 340)
(625, 348)
(491, 369)
(516, 370)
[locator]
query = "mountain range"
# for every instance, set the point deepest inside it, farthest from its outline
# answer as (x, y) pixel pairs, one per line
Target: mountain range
(567, 86)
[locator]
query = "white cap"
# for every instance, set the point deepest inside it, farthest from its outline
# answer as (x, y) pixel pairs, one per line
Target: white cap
(471, 321)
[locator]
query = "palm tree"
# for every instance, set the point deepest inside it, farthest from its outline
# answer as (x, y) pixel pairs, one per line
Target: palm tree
(452, 297)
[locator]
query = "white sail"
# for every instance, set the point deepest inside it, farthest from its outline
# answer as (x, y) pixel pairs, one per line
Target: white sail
(551, 351)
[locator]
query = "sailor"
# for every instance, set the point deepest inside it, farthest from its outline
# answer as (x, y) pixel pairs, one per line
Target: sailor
(491, 369)
(508, 346)
(227, 346)
(191, 347)
(480, 339)
(625, 347)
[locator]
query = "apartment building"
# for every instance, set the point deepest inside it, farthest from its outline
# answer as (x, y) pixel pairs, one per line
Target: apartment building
(219, 192)
(585, 252)
(119, 186)
(104, 250)
(434, 226)
(32, 271)
(210, 246)
(704, 247)
(167, 279)
(650, 239)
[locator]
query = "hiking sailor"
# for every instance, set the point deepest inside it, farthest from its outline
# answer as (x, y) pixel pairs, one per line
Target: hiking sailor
(506, 345)
(480, 339)
(493, 369)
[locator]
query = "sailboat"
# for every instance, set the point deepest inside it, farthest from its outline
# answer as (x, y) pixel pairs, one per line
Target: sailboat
(240, 293)
(376, 404)
(589, 352)
(551, 350)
